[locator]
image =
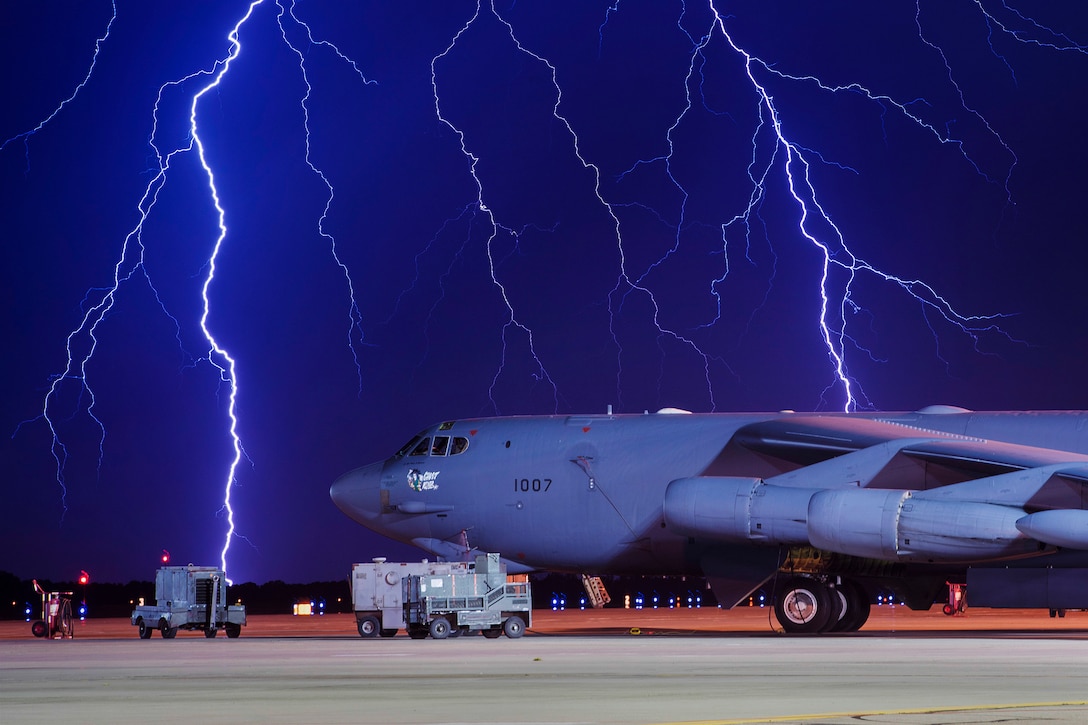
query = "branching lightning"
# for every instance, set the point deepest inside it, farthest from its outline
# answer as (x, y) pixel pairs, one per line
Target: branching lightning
(131, 260)
(25, 136)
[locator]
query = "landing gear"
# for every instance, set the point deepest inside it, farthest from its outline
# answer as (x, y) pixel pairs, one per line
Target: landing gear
(856, 607)
(806, 605)
(803, 606)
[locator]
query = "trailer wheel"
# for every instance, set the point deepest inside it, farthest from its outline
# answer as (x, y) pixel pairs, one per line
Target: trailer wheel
(166, 630)
(493, 633)
(143, 629)
(369, 626)
(232, 629)
(388, 633)
(440, 628)
(40, 628)
(416, 631)
(513, 627)
(211, 632)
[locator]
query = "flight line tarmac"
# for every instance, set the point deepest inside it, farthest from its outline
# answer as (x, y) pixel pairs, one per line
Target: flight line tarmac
(609, 666)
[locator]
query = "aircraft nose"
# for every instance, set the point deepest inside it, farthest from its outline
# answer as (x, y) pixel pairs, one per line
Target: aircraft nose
(356, 493)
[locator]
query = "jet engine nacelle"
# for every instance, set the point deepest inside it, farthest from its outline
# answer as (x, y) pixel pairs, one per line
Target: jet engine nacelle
(1068, 528)
(903, 526)
(737, 509)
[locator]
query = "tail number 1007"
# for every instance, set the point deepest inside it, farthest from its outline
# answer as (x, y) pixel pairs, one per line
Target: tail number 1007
(536, 485)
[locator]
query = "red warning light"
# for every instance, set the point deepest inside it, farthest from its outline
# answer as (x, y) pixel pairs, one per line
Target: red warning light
(165, 556)
(84, 577)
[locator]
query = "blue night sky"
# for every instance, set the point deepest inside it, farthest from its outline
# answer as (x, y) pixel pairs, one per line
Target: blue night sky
(442, 210)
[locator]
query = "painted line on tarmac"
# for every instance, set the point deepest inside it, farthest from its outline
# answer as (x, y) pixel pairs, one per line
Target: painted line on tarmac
(871, 713)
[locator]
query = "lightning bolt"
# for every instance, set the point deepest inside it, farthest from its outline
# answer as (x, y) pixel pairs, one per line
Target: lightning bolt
(25, 136)
(840, 267)
(512, 325)
(82, 341)
(625, 286)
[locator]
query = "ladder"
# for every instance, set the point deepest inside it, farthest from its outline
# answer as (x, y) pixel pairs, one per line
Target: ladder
(598, 595)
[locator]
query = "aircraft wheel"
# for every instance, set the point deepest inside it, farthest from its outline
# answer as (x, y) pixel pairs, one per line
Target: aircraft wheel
(369, 626)
(803, 606)
(143, 629)
(857, 607)
(40, 628)
(388, 632)
(210, 632)
(440, 628)
(513, 627)
(492, 633)
(837, 611)
(232, 630)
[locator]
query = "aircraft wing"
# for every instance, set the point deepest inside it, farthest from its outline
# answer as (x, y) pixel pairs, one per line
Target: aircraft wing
(806, 440)
(884, 490)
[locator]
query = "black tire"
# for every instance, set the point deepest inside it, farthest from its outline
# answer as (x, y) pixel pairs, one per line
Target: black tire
(803, 606)
(211, 632)
(368, 626)
(232, 630)
(41, 629)
(440, 628)
(144, 631)
(416, 631)
(64, 623)
(492, 633)
(166, 630)
(838, 606)
(858, 607)
(388, 633)
(513, 627)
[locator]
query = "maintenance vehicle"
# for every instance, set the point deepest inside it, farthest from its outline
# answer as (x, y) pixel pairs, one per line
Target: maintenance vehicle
(193, 598)
(440, 599)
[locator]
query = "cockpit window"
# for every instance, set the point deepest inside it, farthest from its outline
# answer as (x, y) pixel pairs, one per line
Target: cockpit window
(410, 445)
(421, 448)
(422, 445)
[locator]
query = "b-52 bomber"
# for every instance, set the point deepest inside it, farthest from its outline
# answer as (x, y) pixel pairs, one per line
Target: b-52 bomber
(822, 509)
